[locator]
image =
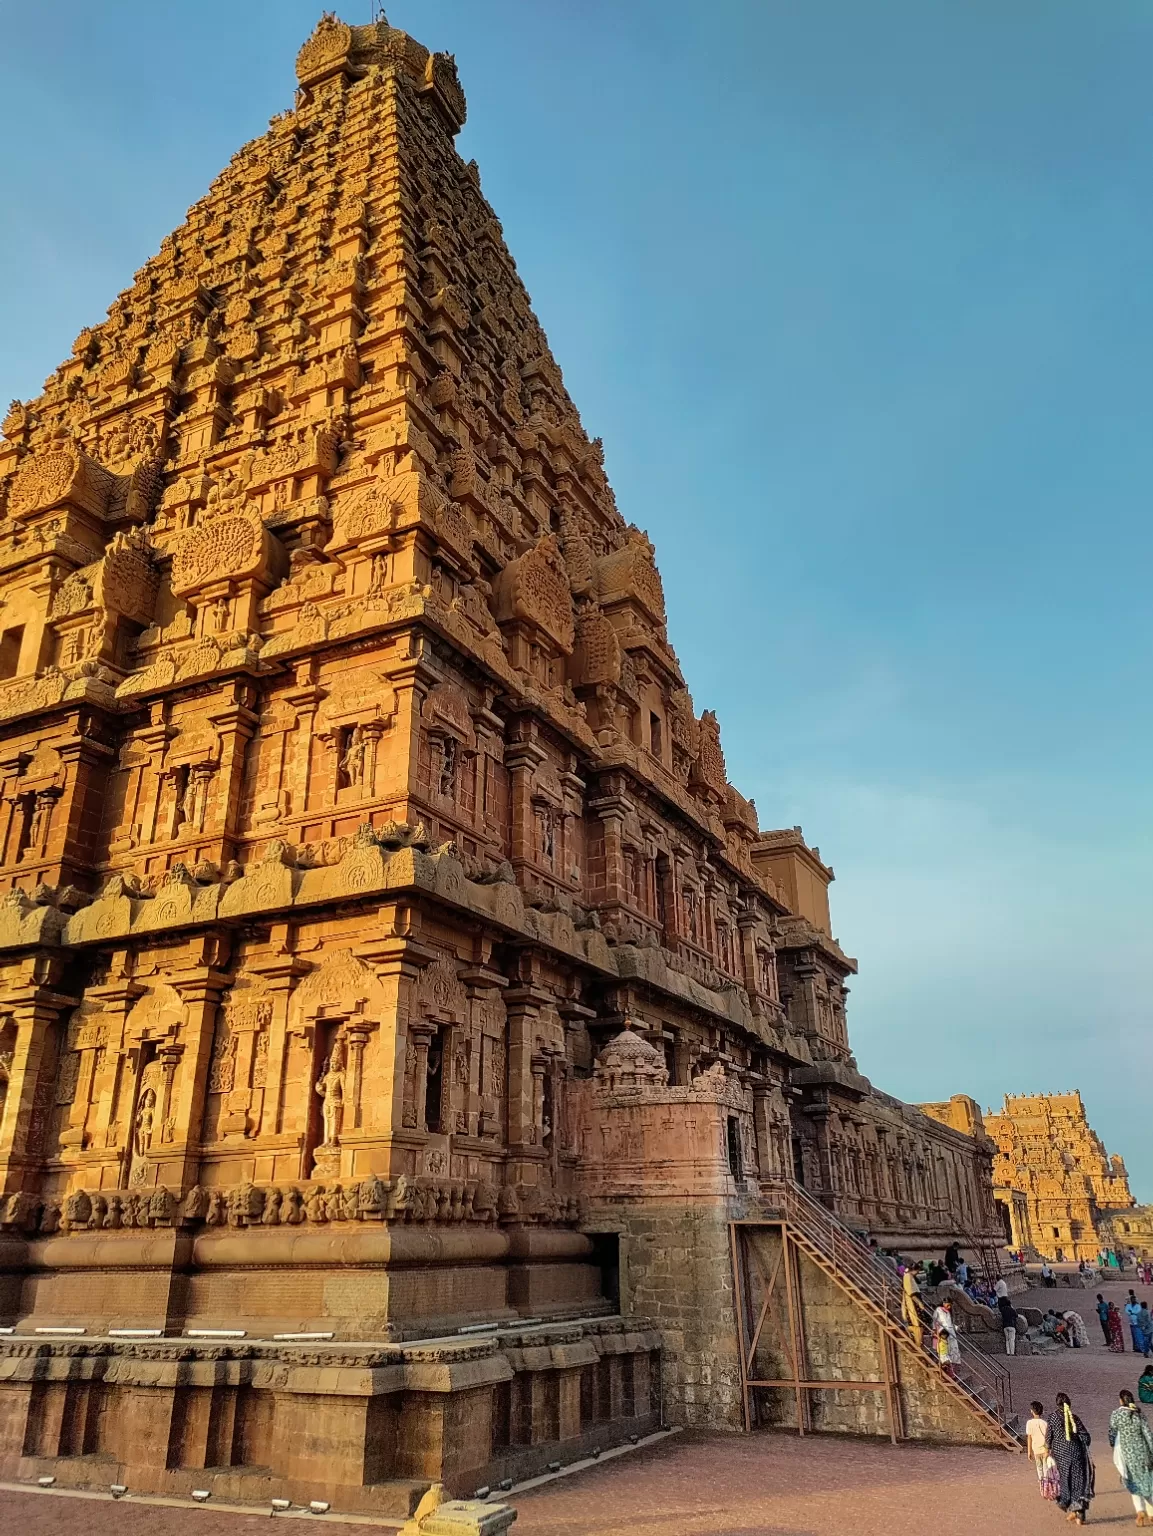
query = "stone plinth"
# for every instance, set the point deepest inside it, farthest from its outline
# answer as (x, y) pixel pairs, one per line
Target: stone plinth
(367, 1427)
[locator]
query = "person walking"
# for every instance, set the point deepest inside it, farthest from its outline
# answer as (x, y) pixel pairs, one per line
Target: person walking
(946, 1345)
(1145, 1323)
(1116, 1332)
(1008, 1323)
(1103, 1315)
(1047, 1276)
(910, 1305)
(1069, 1443)
(1132, 1442)
(1133, 1313)
(1037, 1439)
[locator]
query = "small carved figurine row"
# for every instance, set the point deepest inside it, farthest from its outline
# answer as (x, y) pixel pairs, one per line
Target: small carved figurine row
(373, 1199)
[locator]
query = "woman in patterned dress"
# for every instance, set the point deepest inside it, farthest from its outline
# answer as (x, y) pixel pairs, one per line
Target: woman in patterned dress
(1132, 1442)
(1116, 1336)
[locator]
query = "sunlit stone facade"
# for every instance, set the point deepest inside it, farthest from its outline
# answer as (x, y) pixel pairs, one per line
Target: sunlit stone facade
(354, 803)
(1048, 1152)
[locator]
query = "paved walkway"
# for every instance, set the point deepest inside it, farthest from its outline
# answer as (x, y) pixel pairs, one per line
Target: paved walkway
(759, 1485)
(778, 1485)
(54, 1514)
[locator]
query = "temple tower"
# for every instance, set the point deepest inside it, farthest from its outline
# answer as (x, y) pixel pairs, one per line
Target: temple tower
(358, 836)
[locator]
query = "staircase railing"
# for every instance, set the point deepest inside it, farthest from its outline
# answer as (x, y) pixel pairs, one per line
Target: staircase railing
(980, 1376)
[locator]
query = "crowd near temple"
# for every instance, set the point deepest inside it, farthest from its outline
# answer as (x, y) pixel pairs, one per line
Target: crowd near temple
(412, 1046)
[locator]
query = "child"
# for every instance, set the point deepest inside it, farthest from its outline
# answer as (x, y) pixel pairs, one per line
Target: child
(1037, 1439)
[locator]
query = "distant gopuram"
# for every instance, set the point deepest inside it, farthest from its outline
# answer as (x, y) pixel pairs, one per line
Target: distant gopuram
(1048, 1153)
(384, 951)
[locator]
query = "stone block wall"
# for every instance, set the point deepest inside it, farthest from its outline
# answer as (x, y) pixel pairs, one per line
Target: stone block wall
(676, 1268)
(366, 1428)
(841, 1341)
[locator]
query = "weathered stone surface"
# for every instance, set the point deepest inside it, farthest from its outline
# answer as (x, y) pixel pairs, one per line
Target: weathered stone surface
(354, 804)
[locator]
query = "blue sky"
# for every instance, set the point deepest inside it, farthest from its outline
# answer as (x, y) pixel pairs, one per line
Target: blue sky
(859, 298)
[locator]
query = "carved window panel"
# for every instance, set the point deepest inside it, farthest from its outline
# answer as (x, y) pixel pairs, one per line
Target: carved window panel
(23, 811)
(661, 880)
(260, 1060)
(691, 906)
(436, 1083)
(545, 819)
(178, 780)
(7, 1051)
(462, 1049)
(351, 752)
(222, 1069)
(768, 973)
(11, 644)
(67, 1078)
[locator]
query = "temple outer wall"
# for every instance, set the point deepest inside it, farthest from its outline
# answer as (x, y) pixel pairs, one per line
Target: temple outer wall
(676, 1268)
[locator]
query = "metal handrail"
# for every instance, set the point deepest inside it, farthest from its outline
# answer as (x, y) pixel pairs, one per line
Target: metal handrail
(844, 1248)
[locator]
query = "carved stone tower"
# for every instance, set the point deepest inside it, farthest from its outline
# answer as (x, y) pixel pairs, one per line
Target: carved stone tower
(353, 802)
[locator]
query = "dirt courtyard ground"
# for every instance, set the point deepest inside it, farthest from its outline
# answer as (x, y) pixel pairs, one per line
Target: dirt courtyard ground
(759, 1485)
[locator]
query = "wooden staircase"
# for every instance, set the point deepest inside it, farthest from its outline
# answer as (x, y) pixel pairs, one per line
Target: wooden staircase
(981, 1385)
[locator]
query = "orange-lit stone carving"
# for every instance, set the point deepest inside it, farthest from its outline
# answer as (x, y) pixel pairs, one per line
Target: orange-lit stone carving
(360, 838)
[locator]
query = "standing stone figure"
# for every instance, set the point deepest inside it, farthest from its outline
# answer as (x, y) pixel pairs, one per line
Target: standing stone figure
(330, 1086)
(352, 763)
(145, 1116)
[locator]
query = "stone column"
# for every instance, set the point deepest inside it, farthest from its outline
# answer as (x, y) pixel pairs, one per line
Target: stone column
(91, 1042)
(763, 1129)
(236, 726)
(36, 1012)
(522, 758)
(201, 993)
(420, 1033)
(607, 875)
(280, 974)
(357, 1037)
(747, 922)
(523, 1005)
(169, 1058)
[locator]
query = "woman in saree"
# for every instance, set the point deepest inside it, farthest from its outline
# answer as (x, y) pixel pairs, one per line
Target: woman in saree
(1069, 1442)
(1116, 1337)
(1132, 1442)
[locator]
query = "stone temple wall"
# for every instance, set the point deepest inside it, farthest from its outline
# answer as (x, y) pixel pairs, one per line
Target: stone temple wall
(352, 803)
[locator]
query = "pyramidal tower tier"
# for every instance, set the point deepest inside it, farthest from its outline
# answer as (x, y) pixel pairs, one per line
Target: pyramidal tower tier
(379, 930)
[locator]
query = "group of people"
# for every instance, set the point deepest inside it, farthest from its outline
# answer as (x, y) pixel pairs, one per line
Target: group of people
(1140, 1325)
(1108, 1258)
(930, 1273)
(1059, 1447)
(1067, 1328)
